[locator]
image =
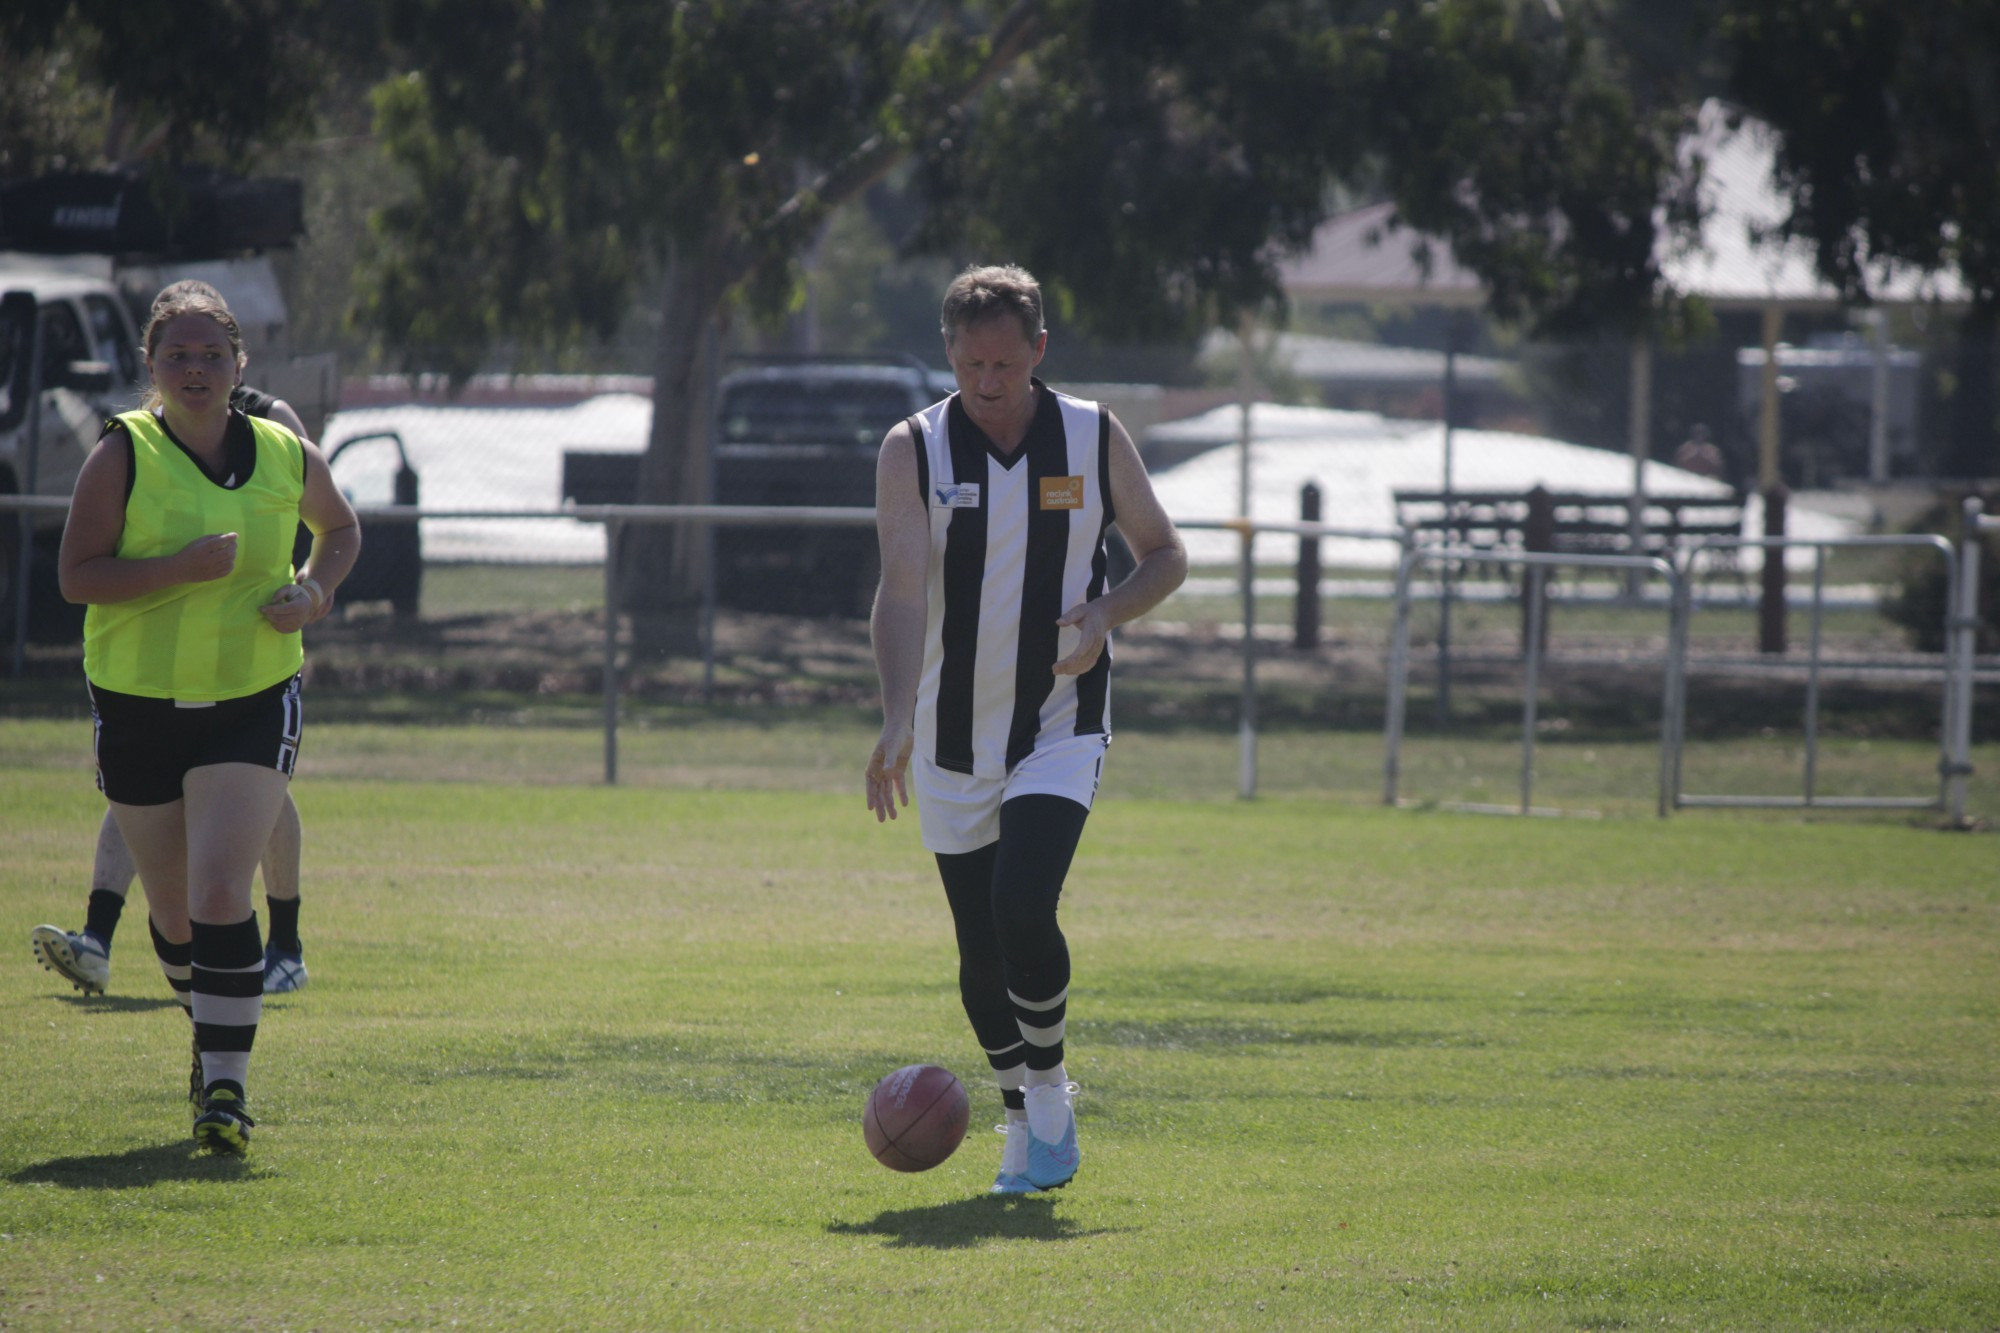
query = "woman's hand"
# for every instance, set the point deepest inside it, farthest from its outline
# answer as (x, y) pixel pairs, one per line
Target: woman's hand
(293, 607)
(208, 558)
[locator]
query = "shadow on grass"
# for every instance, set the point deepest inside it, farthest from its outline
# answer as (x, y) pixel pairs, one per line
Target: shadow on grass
(966, 1222)
(134, 1169)
(1182, 1035)
(117, 1004)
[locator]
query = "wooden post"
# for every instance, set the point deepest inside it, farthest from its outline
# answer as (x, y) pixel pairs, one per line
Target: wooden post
(1538, 533)
(1771, 485)
(1771, 607)
(1305, 607)
(1639, 438)
(1453, 328)
(1767, 402)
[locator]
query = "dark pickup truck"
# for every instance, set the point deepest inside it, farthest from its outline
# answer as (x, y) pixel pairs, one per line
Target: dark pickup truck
(802, 432)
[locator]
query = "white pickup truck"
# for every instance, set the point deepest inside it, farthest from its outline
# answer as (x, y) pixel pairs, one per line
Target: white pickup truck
(90, 370)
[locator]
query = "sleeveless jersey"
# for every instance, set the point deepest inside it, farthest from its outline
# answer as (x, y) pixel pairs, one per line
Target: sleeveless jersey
(1015, 542)
(201, 641)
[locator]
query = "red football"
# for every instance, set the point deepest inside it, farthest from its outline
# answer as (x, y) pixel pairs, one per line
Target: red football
(915, 1117)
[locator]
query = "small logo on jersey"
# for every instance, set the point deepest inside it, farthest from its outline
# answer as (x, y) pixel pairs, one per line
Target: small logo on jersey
(959, 495)
(1062, 492)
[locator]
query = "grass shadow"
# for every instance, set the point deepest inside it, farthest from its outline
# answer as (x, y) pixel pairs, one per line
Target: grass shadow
(136, 1168)
(968, 1222)
(1187, 1035)
(117, 1004)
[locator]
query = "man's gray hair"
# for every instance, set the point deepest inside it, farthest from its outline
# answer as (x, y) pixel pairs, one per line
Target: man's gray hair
(988, 291)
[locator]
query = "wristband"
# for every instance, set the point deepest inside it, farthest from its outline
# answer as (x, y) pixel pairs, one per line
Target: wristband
(314, 591)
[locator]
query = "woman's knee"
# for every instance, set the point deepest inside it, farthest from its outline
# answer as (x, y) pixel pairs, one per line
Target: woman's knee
(219, 903)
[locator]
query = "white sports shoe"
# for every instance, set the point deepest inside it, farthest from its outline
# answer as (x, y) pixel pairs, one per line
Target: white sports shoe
(78, 959)
(283, 972)
(1052, 1152)
(1013, 1177)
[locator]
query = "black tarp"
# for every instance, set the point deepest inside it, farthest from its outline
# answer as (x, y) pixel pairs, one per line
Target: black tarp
(188, 214)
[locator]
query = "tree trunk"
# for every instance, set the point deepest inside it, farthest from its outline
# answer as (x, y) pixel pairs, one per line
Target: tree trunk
(662, 567)
(1971, 450)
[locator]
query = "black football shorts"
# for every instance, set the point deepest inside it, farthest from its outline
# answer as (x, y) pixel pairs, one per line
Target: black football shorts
(145, 747)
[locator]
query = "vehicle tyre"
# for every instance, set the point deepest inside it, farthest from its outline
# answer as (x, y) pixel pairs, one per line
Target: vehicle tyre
(10, 573)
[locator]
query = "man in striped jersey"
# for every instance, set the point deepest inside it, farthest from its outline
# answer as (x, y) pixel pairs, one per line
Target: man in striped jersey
(992, 638)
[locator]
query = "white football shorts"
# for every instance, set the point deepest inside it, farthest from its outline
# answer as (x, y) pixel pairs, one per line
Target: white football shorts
(959, 813)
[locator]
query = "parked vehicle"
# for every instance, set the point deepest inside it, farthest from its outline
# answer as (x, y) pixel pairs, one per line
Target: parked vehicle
(82, 255)
(794, 432)
(807, 433)
(49, 419)
(374, 469)
(91, 370)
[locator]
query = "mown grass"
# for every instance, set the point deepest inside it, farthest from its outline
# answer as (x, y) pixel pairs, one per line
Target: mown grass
(1576, 769)
(585, 1057)
(480, 589)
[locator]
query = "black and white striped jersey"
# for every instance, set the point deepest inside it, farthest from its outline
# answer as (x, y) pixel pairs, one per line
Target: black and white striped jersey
(1015, 541)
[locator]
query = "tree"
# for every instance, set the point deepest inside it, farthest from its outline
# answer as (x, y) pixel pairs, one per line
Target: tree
(1890, 123)
(559, 157)
(112, 83)
(1200, 142)
(1151, 159)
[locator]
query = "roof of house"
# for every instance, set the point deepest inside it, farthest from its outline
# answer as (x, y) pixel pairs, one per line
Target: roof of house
(1734, 261)
(1344, 361)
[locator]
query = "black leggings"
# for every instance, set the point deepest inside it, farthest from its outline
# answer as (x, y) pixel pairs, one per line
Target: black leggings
(1003, 907)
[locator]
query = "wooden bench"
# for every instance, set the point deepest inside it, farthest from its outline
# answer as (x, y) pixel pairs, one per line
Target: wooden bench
(1562, 521)
(1543, 520)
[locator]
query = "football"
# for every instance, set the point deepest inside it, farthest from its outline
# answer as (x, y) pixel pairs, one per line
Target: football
(915, 1117)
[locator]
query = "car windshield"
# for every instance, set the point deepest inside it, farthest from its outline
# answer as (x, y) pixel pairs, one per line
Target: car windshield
(812, 411)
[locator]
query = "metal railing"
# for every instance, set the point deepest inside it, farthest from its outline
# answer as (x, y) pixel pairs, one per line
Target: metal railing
(615, 519)
(1961, 649)
(1535, 565)
(1247, 530)
(1958, 668)
(1816, 669)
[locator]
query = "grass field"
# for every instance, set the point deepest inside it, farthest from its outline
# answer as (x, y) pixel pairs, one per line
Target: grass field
(586, 1057)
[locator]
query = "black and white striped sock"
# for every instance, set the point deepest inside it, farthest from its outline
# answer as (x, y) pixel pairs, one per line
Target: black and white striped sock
(175, 961)
(1043, 1025)
(228, 998)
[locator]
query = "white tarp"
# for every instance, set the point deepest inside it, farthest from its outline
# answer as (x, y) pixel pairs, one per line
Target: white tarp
(499, 458)
(1359, 459)
(511, 458)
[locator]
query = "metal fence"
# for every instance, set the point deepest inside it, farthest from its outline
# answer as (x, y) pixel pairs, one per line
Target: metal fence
(1953, 699)
(1955, 670)
(1535, 567)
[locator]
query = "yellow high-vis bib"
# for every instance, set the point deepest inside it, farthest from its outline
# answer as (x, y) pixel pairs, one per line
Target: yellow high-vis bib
(201, 641)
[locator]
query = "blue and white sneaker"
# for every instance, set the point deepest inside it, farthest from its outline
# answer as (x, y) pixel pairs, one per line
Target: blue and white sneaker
(79, 959)
(1013, 1177)
(284, 972)
(1052, 1150)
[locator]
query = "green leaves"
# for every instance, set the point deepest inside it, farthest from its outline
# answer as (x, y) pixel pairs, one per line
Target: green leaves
(1890, 117)
(607, 140)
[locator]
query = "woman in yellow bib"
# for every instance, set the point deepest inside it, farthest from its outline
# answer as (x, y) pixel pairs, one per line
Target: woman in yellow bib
(179, 540)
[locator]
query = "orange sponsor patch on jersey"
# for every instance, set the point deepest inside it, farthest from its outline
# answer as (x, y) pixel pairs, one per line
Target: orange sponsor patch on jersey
(1062, 492)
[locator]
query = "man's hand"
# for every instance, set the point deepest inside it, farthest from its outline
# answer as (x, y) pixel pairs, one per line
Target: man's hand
(1092, 630)
(888, 767)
